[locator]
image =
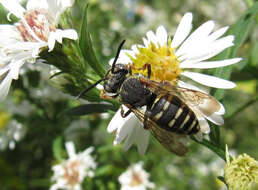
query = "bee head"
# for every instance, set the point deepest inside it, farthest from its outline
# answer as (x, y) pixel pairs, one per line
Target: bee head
(115, 78)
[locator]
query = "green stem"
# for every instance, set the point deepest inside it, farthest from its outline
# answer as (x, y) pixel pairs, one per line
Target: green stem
(213, 147)
(243, 107)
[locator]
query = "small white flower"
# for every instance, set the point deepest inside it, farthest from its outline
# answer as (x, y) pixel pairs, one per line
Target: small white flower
(23, 41)
(135, 178)
(172, 60)
(71, 172)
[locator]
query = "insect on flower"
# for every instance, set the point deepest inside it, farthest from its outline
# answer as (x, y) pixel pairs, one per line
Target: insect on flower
(163, 107)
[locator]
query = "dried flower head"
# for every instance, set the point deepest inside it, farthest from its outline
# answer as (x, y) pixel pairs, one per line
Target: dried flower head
(241, 172)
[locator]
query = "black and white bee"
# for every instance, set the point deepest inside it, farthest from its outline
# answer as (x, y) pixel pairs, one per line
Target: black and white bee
(167, 110)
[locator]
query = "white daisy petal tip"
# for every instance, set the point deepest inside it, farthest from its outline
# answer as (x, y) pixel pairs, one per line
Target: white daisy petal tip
(208, 80)
(216, 119)
(222, 110)
(183, 30)
(161, 34)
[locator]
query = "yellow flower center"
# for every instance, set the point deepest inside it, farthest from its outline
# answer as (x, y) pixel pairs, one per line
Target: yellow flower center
(4, 119)
(162, 59)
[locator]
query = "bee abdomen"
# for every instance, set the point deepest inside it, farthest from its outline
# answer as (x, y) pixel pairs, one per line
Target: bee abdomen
(170, 113)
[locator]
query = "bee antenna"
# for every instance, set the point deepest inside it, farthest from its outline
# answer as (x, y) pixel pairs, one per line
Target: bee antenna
(117, 55)
(89, 88)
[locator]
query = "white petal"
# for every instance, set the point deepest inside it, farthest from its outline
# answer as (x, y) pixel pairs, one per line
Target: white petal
(58, 35)
(37, 4)
(15, 68)
(126, 129)
(198, 35)
(135, 49)
(183, 30)
(218, 33)
(198, 54)
(152, 37)
(57, 7)
(142, 140)
(3, 70)
(221, 110)
(14, 7)
(209, 64)
(70, 149)
(190, 86)
(204, 125)
(51, 41)
(215, 118)
(162, 35)
(208, 80)
(68, 33)
(123, 57)
(5, 86)
(116, 121)
(9, 33)
(145, 42)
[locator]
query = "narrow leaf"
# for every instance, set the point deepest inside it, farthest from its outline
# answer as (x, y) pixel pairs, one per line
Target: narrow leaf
(240, 30)
(86, 46)
(58, 149)
(89, 109)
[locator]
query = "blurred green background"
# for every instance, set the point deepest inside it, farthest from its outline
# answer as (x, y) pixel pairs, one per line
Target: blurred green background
(31, 120)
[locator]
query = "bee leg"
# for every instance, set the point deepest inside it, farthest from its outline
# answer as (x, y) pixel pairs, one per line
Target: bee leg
(145, 66)
(148, 69)
(104, 96)
(123, 113)
(129, 67)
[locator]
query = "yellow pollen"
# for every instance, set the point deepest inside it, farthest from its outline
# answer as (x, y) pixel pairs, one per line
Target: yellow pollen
(162, 59)
(4, 119)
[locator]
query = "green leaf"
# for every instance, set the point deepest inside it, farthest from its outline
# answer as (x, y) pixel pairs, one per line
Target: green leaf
(58, 149)
(89, 109)
(103, 170)
(254, 55)
(213, 147)
(86, 46)
(222, 179)
(240, 30)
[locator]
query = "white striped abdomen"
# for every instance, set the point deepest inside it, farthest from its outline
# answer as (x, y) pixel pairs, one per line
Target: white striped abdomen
(171, 114)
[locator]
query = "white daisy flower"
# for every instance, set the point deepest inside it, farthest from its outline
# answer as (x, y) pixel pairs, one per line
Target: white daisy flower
(171, 60)
(135, 178)
(70, 173)
(23, 41)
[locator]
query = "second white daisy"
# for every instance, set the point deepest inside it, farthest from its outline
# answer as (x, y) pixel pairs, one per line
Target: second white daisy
(23, 41)
(173, 59)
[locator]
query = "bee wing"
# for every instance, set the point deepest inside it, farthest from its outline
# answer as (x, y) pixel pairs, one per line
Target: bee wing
(173, 142)
(203, 103)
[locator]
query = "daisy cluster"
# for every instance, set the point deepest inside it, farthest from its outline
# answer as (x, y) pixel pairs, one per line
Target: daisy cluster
(35, 31)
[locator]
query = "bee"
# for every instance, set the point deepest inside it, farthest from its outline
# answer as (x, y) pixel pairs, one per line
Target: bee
(167, 110)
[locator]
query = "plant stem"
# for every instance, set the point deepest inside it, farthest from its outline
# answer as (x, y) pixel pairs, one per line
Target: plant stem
(246, 105)
(213, 147)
